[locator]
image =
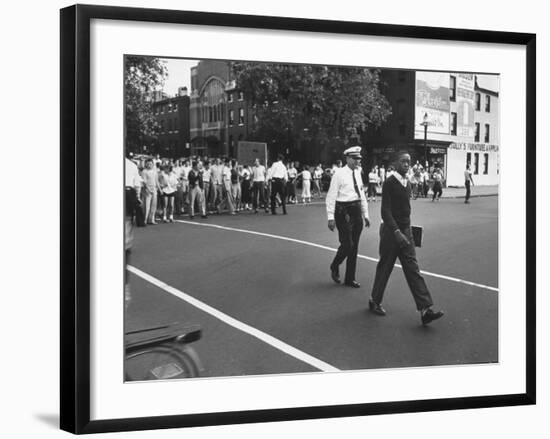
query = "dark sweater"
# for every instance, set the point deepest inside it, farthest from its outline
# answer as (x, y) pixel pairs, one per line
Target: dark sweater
(396, 206)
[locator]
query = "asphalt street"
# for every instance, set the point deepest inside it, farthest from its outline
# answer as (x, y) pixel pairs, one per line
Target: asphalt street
(259, 286)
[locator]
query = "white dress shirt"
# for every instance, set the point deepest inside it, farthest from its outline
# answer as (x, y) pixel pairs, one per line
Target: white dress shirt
(132, 177)
(342, 189)
(278, 170)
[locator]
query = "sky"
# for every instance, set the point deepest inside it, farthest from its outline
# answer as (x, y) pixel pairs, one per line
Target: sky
(179, 74)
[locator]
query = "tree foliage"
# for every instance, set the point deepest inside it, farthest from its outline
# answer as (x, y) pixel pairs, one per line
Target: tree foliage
(325, 102)
(142, 76)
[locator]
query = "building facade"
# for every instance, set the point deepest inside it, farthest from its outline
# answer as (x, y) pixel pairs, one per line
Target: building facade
(442, 119)
(220, 116)
(173, 133)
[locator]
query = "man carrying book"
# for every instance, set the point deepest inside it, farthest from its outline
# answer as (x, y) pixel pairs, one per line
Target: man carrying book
(396, 241)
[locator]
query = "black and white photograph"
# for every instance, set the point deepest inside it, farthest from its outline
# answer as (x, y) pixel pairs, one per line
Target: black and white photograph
(297, 218)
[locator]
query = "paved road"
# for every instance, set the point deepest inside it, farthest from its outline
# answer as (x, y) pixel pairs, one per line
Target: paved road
(266, 303)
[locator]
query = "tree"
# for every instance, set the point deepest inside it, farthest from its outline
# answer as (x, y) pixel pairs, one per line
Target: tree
(142, 76)
(323, 103)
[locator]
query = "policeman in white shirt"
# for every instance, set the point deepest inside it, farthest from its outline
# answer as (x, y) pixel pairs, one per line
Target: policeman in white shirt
(278, 176)
(347, 209)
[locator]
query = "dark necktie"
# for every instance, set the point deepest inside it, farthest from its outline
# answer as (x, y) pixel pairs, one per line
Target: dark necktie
(355, 184)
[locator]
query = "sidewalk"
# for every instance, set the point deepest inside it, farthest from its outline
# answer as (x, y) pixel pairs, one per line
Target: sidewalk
(476, 191)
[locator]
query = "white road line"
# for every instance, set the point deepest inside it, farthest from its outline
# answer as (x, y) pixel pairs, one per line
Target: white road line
(324, 247)
(266, 338)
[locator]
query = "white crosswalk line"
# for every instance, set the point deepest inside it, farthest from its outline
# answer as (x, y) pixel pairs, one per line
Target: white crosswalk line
(324, 247)
(266, 338)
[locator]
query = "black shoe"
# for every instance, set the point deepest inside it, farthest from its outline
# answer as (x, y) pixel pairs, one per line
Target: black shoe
(204, 216)
(353, 284)
(429, 316)
(191, 216)
(284, 213)
(375, 308)
(335, 275)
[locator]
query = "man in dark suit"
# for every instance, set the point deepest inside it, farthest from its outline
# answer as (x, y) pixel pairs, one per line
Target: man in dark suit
(396, 241)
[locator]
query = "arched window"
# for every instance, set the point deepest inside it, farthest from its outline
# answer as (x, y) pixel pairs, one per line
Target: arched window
(212, 95)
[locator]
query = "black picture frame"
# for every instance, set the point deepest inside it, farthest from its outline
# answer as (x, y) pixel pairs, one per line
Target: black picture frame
(75, 217)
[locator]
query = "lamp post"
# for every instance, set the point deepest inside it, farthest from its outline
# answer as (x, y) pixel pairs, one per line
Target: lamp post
(425, 124)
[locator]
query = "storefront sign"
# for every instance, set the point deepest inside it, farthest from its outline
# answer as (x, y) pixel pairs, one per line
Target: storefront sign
(438, 151)
(483, 147)
(432, 98)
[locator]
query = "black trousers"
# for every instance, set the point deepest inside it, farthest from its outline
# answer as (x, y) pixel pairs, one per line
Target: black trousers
(349, 223)
(389, 252)
(258, 194)
(278, 187)
(437, 190)
(467, 184)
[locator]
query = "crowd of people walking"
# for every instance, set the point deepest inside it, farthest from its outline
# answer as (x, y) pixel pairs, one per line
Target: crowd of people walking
(212, 185)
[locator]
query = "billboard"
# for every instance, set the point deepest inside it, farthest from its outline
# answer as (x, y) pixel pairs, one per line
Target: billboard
(432, 98)
(247, 152)
(465, 96)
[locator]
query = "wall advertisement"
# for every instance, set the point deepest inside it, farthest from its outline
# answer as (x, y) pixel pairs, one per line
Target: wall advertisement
(432, 99)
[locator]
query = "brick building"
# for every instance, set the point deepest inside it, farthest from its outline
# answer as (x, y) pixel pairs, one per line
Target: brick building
(172, 114)
(219, 114)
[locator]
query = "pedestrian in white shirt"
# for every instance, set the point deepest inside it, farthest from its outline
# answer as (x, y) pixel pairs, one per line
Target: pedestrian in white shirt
(206, 181)
(316, 181)
(373, 184)
(306, 184)
(347, 210)
(132, 188)
(168, 184)
(226, 186)
(151, 188)
(278, 176)
(258, 186)
(291, 185)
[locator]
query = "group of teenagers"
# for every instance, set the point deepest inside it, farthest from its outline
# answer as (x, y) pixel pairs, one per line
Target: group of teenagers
(421, 179)
(212, 185)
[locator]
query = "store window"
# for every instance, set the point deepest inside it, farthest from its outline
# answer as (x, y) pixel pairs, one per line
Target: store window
(476, 163)
(468, 158)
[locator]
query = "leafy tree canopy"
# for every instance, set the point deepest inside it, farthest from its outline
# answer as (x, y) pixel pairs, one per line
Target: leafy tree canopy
(324, 101)
(142, 76)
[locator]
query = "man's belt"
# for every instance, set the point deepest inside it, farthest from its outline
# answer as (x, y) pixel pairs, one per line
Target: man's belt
(348, 203)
